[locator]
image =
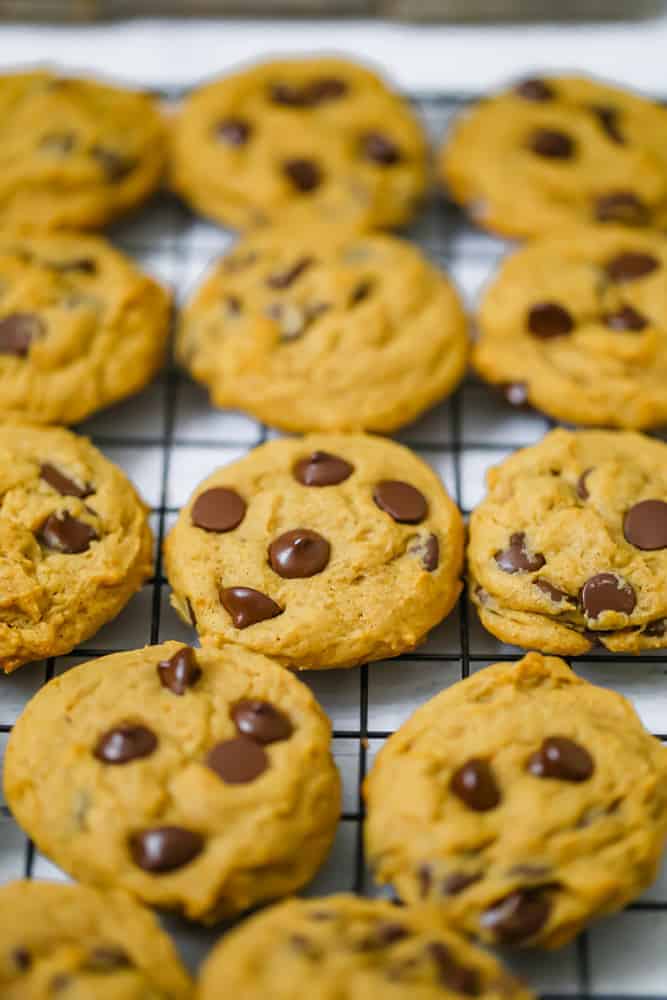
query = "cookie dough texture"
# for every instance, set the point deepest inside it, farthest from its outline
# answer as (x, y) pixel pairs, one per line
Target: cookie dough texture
(75, 153)
(75, 542)
(551, 152)
(71, 940)
(361, 584)
(576, 324)
(80, 327)
(323, 136)
(347, 948)
(522, 802)
(568, 550)
(149, 779)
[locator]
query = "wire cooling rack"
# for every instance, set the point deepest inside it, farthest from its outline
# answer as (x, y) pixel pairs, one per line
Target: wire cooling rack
(169, 438)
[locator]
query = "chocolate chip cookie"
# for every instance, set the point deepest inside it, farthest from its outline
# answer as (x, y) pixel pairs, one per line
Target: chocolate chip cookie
(70, 940)
(523, 802)
(324, 136)
(80, 327)
(198, 780)
(74, 539)
(74, 154)
(352, 948)
(326, 551)
(569, 548)
(576, 324)
(353, 334)
(550, 152)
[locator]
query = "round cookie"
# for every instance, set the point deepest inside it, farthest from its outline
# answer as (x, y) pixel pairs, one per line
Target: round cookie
(353, 334)
(75, 154)
(523, 802)
(551, 152)
(576, 324)
(198, 780)
(325, 136)
(347, 948)
(327, 551)
(568, 550)
(80, 327)
(72, 940)
(75, 542)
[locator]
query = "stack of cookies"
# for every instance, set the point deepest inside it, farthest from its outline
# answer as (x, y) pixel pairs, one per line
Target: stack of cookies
(514, 807)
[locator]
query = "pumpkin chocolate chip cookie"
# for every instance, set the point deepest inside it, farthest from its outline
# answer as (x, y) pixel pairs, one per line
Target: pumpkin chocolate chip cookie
(522, 802)
(321, 552)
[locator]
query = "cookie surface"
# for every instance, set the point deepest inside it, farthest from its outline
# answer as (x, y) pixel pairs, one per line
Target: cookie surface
(323, 135)
(347, 948)
(522, 801)
(80, 327)
(76, 941)
(198, 780)
(551, 152)
(75, 153)
(322, 552)
(356, 334)
(569, 547)
(75, 542)
(576, 324)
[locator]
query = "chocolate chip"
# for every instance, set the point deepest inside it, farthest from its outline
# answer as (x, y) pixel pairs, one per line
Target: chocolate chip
(18, 331)
(535, 89)
(552, 144)
(553, 593)
(261, 721)
(657, 628)
(516, 558)
(622, 206)
(234, 131)
(475, 785)
(581, 487)
(63, 484)
(516, 393)
(283, 279)
(327, 88)
(380, 149)
(322, 469)
(125, 743)
(452, 975)
(288, 95)
(247, 606)
(607, 592)
(403, 502)
(458, 882)
(233, 305)
(305, 175)
(115, 165)
(608, 118)
(561, 758)
(180, 671)
(360, 292)
(427, 550)
(625, 318)
(425, 880)
(518, 917)
(22, 959)
(165, 848)
(238, 761)
(645, 525)
(631, 266)
(548, 319)
(58, 142)
(82, 265)
(388, 933)
(219, 509)
(299, 553)
(64, 533)
(106, 958)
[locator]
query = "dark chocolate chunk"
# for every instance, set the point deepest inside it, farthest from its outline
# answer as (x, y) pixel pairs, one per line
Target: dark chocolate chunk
(63, 533)
(516, 558)
(518, 917)
(380, 149)
(63, 484)
(475, 785)
(562, 758)
(631, 266)
(18, 331)
(403, 502)
(607, 592)
(549, 319)
(645, 525)
(125, 743)
(552, 144)
(238, 761)
(165, 848)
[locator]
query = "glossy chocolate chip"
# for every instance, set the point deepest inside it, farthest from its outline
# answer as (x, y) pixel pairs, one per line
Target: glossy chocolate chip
(625, 318)
(631, 266)
(623, 207)
(535, 89)
(63, 484)
(261, 721)
(283, 279)
(219, 509)
(21, 958)
(403, 502)
(581, 487)
(234, 131)
(552, 144)
(380, 149)
(517, 918)
(475, 785)
(18, 331)
(451, 974)
(561, 758)
(458, 882)
(548, 319)
(553, 593)
(238, 761)
(63, 533)
(516, 393)
(116, 166)
(299, 553)
(656, 629)
(607, 592)
(180, 671)
(247, 606)
(516, 558)
(165, 848)
(645, 525)
(305, 175)
(322, 469)
(125, 743)
(106, 958)
(608, 119)
(427, 550)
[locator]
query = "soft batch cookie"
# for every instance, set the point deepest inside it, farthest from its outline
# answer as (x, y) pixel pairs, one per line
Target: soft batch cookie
(75, 542)
(198, 780)
(555, 151)
(325, 551)
(347, 948)
(349, 334)
(568, 550)
(576, 324)
(322, 136)
(80, 327)
(75, 153)
(523, 802)
(71, 940)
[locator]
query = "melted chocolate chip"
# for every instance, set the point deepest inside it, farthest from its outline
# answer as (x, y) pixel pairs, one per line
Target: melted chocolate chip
(218, 509)
(63, 484)
(516, 393)
(18, 331)
(608, 118)
(458, 882)
(63, 533)
(299, 553)
(22, 959)
(645, 525)
(656, 629)
(115, 165)
(631, 266)
(535, 89)
(322, 469)
(625, 318)
(261, 721)
(518, 917)
(561, 758)
(180, 671)
(125, 743)
(238, 761)
(450, 974)
(234, 131)
(552, 144)
(475, 785)
(305, 175)
(247, 606)
(283, 279)
(548, 319)
(553, 593)
(623, 207)
(607, 592)
(165, 848)
(581, 487)
(516, 558)
(380, 149)
(107, 958)
(403, 502)
(427, 550)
